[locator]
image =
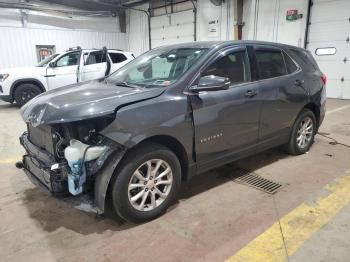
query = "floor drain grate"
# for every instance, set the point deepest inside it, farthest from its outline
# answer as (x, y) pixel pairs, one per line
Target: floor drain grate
(258, 182)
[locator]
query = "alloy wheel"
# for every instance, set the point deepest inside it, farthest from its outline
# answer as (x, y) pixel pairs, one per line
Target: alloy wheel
(28, 94)
(305, 132)
(150, 185)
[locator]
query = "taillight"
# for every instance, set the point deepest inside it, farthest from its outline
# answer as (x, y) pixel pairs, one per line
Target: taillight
(324, 79)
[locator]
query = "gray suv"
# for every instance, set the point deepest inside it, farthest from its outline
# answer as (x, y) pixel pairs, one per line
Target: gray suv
(172, 113)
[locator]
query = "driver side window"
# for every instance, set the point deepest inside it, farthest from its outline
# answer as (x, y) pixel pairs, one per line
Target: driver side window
(69, 59)
(234, 66)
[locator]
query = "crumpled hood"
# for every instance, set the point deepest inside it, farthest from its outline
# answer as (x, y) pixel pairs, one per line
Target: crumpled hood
(82, 101)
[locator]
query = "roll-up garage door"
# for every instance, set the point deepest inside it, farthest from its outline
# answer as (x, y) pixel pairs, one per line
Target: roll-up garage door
(173, 28)
(329, 42)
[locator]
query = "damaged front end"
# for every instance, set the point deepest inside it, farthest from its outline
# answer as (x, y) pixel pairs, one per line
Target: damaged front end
(72, 159)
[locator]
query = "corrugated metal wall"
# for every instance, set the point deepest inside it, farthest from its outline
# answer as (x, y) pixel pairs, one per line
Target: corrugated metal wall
(17, 45)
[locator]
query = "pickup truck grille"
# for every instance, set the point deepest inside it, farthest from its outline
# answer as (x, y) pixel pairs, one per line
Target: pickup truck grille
(41, 136)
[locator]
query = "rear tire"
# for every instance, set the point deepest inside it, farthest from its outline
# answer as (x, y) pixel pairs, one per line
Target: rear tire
(25, 92)
(142, 198)
(303, 133)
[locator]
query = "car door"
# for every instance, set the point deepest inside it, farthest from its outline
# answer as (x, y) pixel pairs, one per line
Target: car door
(63, 71)
(118, 60)
(226, 121)
(281, 91)
(94, 65)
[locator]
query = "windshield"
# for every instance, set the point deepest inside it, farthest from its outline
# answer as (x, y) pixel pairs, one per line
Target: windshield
(46, 60)
(159, 67)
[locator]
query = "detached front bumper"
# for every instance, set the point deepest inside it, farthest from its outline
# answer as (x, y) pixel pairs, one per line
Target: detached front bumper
(37, 165)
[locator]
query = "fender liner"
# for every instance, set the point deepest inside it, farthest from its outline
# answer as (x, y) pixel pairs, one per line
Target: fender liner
(103, 179)
(26, 80)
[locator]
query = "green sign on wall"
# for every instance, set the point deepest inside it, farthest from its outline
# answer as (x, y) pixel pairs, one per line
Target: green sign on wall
(293, 15)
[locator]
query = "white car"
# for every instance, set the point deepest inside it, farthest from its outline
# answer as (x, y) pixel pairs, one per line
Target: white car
(65, 68)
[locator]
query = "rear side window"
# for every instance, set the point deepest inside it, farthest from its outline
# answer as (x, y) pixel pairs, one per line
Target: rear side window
(291, 66)
(305, 57)
(94, 58)
(270, 63)
(117, 57)
(234, 66)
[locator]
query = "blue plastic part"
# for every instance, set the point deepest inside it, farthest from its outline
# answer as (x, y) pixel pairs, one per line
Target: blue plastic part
(77, 178)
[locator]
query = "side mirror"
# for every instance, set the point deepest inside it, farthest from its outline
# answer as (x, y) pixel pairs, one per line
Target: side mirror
(211, 83)
(52, 65)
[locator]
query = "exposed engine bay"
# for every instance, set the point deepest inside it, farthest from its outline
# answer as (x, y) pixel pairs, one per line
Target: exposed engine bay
(65, 158)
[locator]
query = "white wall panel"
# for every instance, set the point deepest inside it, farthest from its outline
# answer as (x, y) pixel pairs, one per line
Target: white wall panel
(330, 27)
(17, 45)
(137, 23)
(207, 11)
(137, 30)
(266, 20)
(174, 28)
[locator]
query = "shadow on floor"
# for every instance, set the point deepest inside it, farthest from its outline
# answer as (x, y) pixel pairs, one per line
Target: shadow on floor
(7, 106)
(52, 213)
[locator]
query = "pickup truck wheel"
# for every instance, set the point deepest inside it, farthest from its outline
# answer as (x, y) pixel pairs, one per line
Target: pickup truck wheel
(148, 181)
(303, 133)
(25, 92)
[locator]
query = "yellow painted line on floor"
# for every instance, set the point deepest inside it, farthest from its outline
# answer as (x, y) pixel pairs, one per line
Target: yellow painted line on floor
(11, 160)
(297, 226)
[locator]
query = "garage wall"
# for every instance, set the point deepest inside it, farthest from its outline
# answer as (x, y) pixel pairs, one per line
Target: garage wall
(18, 41)
(175, 27)
(266, 20)
(332, 32)
(137, 24)
(137, 30)
(207, 13)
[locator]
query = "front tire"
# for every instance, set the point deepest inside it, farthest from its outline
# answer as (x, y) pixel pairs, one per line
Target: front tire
(147, 183)
(25, 92)
(303, 133)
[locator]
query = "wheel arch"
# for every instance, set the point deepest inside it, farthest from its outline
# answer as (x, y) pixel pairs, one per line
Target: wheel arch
(104, 182)
(175, 146)
(18, 82)
(314, 109)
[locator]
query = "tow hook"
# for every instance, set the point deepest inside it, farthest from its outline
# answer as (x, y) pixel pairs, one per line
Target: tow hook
(19, 165)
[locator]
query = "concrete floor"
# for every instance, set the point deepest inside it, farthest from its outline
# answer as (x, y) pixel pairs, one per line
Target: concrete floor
(214, 219)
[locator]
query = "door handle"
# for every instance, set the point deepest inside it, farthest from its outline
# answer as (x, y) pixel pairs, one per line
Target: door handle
(251, 93)
(299, 82)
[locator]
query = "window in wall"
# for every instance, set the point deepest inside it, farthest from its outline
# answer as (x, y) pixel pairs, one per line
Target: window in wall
(70, 59)
(270, 63)
(95, 57)
(290, 64)
(234, 66)
(326, 51)
(117, 57)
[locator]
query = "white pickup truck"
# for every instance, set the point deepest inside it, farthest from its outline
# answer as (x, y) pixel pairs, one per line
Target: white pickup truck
(64, 68)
